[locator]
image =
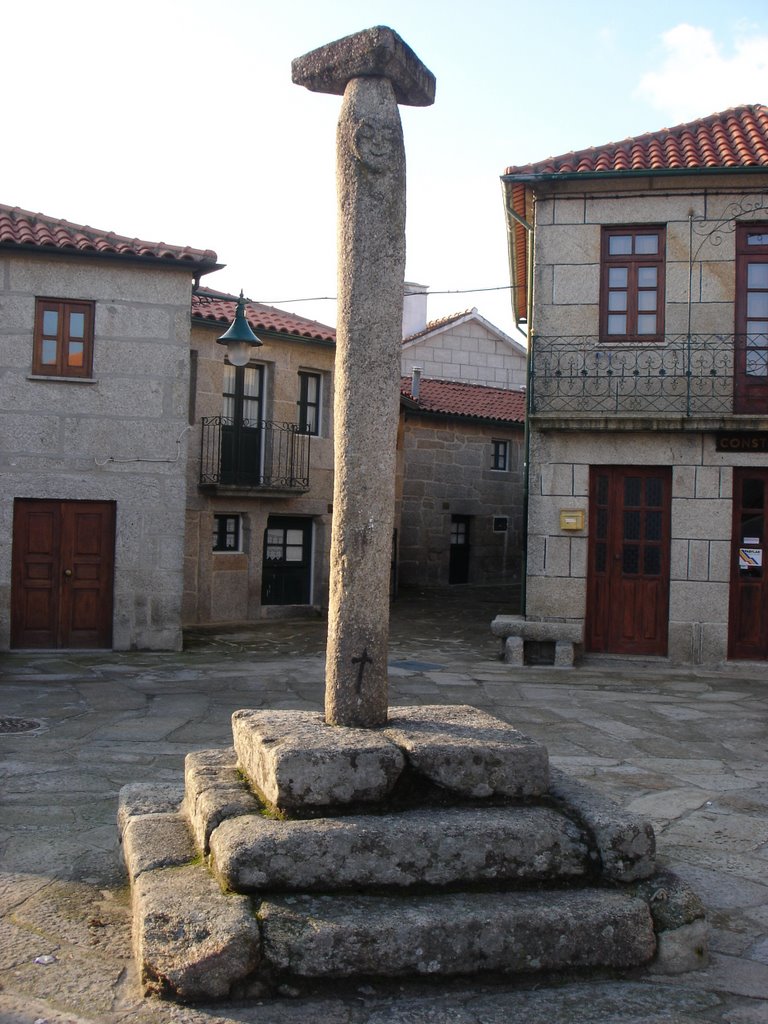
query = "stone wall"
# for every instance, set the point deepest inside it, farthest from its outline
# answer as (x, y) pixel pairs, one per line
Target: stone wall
(467, 351)
(120, 436)
(225, 587)
(446, 472)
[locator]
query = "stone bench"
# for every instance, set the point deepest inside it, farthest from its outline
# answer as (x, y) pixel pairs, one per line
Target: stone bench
(515, 631)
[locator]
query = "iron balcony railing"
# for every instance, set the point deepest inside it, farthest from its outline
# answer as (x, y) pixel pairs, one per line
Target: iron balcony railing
(681, 376)
(254, 454)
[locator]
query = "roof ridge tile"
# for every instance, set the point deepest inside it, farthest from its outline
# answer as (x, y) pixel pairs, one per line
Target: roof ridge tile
(737, 137)
(27, 229)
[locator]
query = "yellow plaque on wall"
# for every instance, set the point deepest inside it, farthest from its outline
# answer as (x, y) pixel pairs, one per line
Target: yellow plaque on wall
(572, 519)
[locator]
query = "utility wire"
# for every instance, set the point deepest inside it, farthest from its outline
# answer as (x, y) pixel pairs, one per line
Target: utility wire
(332, 298)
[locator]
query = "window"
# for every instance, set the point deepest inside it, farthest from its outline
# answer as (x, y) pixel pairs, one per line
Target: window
(499, 455)
(632, 284)
(226, 532)
(63, 339)
(309, 402)
(500, 524)
(751, 341)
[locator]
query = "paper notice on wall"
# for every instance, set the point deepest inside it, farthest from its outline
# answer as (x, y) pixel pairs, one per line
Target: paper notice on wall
(750, 558)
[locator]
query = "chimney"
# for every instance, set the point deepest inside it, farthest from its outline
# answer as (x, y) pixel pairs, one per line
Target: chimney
(415, 383)
(414, 308)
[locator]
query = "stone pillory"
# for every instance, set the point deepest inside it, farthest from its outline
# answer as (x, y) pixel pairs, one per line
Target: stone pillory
(374, 71)
(374, 53)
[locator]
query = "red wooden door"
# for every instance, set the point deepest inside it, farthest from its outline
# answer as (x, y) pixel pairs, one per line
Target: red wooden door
(628, 567)
(63, 554)
(748, 612)
(751, 338)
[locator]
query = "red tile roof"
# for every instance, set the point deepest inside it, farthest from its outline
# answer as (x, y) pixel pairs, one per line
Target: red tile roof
(442, 321)
(211, 306)
(474, 401)
(735, 139)
(35, 231)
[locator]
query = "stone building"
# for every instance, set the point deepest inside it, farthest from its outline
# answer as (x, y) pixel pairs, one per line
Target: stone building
(463, 346)
(460, 486)
(94, 346)
(648, 400)
(260, 468)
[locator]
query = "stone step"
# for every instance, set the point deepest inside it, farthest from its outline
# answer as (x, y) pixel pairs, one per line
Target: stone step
(439, 847)
(458, 933)
(300, 765)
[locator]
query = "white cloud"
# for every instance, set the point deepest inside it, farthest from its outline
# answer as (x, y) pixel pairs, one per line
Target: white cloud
(696, 78)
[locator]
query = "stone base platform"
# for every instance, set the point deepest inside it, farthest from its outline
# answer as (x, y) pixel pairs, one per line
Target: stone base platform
(441, 844)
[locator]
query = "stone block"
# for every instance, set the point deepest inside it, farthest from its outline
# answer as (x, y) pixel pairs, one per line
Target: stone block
(556, 597)
(192, 942)
(296, 761)
(679, 921)
(514, 651)
(455, 934)
(431, 847)
(153, 841)
(697, 601)
(375, 52)
(702, 519)
(574, 244)
(518, 625)
(468, 751)
(214, 790)
(572, 283)
(682, 949)
(625, 842)
(714, 643)
(564, 654)
(148, 798)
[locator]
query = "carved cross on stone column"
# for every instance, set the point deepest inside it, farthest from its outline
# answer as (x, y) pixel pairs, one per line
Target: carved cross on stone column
(374, 70)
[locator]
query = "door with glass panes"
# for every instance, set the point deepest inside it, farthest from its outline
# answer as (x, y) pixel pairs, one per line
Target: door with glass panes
(287, 569)
(628, 560)
(242, 426)
(748, 614)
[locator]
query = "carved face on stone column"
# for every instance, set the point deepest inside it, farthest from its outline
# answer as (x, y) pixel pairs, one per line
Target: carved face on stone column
(375, 145)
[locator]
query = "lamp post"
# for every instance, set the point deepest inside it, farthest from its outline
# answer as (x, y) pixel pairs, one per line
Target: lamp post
(239, 338)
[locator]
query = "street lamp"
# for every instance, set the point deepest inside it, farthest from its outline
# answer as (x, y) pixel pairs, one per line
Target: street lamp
(239, 338)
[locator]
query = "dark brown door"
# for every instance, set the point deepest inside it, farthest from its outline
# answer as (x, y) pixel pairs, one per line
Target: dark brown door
(458, 560)
(628, 573)
(751, 341)
(748, 615)
(63, 553)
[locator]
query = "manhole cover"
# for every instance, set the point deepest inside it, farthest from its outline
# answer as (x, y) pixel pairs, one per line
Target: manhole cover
(10, 724)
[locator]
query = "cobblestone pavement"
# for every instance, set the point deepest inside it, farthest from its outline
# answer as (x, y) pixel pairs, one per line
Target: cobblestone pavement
(687, 748)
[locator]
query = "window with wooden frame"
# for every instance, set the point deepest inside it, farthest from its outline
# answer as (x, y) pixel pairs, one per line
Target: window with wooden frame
(63, 339)
(632, 284)
(500, 455)
(309, 402)
(226, 532)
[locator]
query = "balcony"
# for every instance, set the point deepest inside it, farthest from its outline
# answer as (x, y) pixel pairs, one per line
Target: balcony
(261, 456)
(692, 377)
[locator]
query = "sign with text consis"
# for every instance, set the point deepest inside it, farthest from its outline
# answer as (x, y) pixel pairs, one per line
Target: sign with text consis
(738, 441)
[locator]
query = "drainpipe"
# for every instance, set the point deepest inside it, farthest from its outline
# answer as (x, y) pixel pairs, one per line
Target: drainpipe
(528, 373)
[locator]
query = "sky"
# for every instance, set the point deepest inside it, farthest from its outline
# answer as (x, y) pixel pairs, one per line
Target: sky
(177, 121)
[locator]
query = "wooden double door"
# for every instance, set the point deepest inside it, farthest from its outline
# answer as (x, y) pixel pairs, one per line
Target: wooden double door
(63, 570)
(628, 560)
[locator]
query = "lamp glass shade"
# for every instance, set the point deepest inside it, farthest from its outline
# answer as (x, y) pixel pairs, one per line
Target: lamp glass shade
(238, 352)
